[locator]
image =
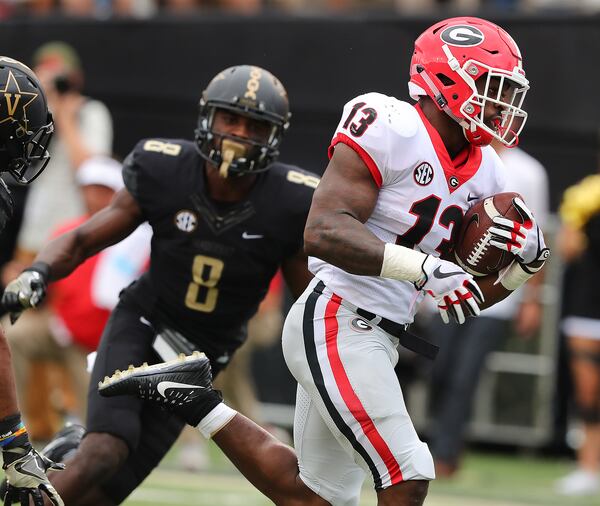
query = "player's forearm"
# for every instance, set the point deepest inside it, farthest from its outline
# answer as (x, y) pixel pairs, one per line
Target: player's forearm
(343, 241)
(8, 399)
(63, 255)
(493, 293)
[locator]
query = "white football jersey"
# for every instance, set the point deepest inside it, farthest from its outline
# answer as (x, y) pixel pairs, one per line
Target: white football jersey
(422, 194)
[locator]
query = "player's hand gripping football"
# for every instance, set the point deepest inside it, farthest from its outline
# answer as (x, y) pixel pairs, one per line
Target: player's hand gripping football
(524, 240)
(27, 290)
(454, 290)
(27, 480)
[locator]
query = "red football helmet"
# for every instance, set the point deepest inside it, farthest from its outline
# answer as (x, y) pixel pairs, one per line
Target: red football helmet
(451, 56)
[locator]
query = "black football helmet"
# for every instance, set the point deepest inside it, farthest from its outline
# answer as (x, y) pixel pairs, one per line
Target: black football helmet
(26, 125)
(250, 91)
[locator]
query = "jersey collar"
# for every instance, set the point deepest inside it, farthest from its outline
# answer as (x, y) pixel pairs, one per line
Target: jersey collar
(463, 167)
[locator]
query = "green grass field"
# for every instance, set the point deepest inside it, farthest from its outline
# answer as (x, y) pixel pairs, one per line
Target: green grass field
(485, 480)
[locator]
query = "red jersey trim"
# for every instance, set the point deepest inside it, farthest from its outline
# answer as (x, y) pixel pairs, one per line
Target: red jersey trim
(360, 151)
(463, 167)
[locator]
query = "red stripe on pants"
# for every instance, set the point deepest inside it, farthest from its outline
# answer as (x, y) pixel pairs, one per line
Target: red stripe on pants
(349, 396)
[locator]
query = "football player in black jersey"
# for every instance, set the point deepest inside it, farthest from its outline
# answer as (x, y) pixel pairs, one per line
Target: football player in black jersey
(25, 130)
(225, 217)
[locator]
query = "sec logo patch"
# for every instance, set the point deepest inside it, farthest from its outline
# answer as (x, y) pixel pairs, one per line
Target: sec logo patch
(423, 174)
(360, 325)
(186, 221)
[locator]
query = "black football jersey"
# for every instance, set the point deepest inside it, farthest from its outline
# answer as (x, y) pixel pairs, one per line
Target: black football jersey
(211, 263)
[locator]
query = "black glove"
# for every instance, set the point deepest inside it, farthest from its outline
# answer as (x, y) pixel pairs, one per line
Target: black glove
(28, 290)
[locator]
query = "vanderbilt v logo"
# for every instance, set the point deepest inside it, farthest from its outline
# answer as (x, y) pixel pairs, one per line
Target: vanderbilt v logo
(10, 104)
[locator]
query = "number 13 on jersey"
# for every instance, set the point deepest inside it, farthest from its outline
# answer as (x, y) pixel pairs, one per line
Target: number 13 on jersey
(202, 292)
(358, 124)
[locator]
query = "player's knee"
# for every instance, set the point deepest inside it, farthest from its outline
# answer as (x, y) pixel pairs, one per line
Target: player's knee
(418, 492)
(101, 453)
(406, 493)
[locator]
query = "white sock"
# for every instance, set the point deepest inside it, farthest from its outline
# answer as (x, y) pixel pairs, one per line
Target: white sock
(212, 423)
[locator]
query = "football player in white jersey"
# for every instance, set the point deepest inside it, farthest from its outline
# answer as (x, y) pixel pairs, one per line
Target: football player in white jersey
(383, 218)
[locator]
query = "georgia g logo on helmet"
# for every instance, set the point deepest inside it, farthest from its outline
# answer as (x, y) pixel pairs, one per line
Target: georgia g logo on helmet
(462, 35)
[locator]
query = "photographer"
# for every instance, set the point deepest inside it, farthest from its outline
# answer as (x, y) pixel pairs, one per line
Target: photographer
(83, 129)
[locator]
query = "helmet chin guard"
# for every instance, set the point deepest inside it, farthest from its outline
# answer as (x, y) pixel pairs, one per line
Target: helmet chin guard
(469, 67)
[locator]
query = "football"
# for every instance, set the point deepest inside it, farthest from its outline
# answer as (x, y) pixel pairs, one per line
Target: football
(473, 251)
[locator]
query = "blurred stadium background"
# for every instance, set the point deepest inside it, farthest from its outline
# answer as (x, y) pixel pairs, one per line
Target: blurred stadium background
(148, 61)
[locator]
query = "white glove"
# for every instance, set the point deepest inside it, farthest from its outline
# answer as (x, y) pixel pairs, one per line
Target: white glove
(524, 240)
(27, 290)
(27, 480)
(454, 290)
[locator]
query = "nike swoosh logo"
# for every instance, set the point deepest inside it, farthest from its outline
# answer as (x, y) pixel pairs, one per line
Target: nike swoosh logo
(441, 275)
(164, 385)
(246, 235)
(470, 198)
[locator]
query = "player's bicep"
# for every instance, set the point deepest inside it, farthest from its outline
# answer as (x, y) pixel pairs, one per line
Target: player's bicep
(347, 187)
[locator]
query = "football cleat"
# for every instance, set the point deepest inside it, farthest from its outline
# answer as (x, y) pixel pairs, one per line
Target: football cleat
(182, 385)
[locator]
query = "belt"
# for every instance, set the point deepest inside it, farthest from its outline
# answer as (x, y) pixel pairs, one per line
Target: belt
(410, 341)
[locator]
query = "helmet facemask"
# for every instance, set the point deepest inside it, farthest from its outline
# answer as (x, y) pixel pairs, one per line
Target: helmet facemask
(502, 89)
(232, 154)
(26, 152)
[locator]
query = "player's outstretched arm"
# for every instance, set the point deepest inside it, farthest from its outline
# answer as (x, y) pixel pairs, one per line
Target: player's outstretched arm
(105, 228)
(342, 203)
(62, 255)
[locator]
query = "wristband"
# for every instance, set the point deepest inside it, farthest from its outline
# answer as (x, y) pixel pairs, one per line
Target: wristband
(402, 263)
(42, 268)
(14, 440)
(513, 276)
(214, 421)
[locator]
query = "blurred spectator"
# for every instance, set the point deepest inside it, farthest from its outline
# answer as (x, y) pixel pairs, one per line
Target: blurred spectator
(78, 8)
(241, 6)
(412, 6)
(69, 327)
(183, 7)
(83, 129)
(464, 348)
(573, 5)
(132, 8)
(579, 244)
(180, 7)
